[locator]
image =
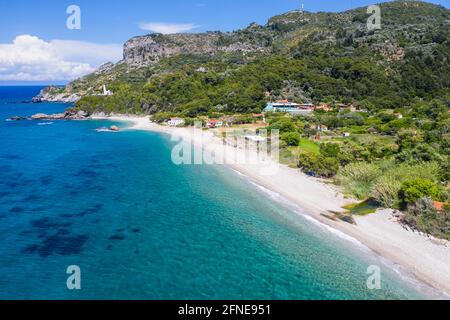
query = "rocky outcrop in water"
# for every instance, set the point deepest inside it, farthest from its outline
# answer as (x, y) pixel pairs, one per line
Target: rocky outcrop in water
(68, 115)
(55, 94)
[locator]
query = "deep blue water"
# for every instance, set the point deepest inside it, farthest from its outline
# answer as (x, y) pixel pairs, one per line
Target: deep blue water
(140, 227)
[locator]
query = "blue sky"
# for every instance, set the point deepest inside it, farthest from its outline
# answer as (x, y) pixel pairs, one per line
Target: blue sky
(117, 20)
(108, 24)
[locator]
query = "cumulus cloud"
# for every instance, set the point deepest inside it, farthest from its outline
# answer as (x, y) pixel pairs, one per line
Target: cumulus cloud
(29, 58)
(167, 28)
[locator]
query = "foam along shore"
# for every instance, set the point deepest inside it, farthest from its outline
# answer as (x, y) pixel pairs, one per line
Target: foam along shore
(427, 259)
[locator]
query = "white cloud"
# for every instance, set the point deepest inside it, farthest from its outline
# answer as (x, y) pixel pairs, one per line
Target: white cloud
(29, 58)
(88, 52)
(167, 28)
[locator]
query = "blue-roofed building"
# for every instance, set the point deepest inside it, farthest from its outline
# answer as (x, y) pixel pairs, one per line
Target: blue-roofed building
(289, 107)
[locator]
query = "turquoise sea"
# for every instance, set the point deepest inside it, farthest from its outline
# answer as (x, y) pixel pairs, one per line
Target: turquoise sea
(140, 227)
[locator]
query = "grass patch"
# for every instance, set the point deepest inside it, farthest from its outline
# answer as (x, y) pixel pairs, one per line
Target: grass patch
(361, 209)
(309, 146)
(306, 146)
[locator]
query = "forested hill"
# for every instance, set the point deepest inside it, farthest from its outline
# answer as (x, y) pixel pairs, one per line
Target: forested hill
(304, 57)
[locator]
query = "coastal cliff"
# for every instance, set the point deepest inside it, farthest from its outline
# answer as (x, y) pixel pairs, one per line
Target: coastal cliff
(55, 94)
(142, 54)
(145, 50)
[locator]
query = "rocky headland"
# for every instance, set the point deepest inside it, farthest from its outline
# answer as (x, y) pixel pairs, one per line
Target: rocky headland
(69, 114)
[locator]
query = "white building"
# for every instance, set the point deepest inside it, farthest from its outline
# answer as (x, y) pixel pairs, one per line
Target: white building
(175, 122)
(289, 107)
(106, 92)
(398, 115)
(322, 128)
(214, 124)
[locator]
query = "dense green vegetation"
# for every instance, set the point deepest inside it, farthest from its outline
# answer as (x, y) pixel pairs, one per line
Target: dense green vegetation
(424, 217)
(396, 152)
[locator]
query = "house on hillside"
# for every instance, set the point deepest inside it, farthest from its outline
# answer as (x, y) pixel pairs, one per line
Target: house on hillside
(289, 107)
(281, 106)
(214, 124)
(306, 106)
(323, 107)
(439, 206)
(322, 128)
(348, 107)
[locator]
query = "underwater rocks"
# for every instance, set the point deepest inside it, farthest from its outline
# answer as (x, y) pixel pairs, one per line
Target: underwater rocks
(17, 118)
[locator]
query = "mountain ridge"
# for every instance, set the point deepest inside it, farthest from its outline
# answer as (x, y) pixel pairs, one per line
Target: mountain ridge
(409, 28)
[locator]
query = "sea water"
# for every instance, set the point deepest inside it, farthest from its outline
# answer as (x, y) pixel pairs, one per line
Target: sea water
(140, 227)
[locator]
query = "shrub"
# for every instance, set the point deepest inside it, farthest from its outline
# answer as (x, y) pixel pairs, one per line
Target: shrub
(319, 165)
(424, 217)
(291, 138)
(385, 191)
(412, 191)
(421, 152)
(421, 170)
(284, 125)
(327, 167)
(330, 149)
(358, 178)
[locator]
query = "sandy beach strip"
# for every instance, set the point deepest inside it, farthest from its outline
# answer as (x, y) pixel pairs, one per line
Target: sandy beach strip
(427, 259)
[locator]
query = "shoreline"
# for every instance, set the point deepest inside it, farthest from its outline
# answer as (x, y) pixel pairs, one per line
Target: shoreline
(427, 260)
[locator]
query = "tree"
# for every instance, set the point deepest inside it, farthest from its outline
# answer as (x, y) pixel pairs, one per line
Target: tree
(284, 125)
(327, 167)
(424, 217)
(408, 138)
(292, 139)
(318, 165)
(421, 153)
(412, 191)
(330, 149)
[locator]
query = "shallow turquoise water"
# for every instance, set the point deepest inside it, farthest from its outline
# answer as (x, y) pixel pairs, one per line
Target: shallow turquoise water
(140, 227)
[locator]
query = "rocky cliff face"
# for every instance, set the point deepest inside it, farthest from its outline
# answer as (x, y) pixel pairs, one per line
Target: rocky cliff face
(149, 49)
(145, 50)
